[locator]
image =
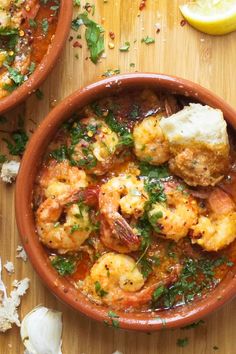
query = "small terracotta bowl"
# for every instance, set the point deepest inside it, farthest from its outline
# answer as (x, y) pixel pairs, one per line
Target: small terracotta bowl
(178, 317)
(47, 63)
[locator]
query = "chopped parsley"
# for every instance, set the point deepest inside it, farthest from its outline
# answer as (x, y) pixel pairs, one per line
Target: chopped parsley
(94, 36)
(148, 40)
(15, 75)
(188, 286)
(144, 231)
(18, 142)
(134, 114)
(155, 191)
(77, 3)
(45, 26)
(150, 171)
(31, 68)
(182, 342)
(113, 319)
(158, 293)
(110, 72)
(32, 23)
(146, 265)
(60, 154)
(64, 265)
(153, 219)
(125, 47)
(74, 228)
(126, 137)
(7, 31)
(99, 291)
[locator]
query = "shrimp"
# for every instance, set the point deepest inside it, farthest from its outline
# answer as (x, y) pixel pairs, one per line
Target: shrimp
(218, 229)
(56, 234)
(116, 281)
(177, 215)
(96, 149)
(127, 193)
(150, 143)
(59, 178)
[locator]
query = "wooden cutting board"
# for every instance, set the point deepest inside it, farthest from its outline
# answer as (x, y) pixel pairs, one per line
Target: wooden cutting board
(178, 50)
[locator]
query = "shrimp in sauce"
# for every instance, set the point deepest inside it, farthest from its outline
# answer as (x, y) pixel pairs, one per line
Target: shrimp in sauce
(142, 197)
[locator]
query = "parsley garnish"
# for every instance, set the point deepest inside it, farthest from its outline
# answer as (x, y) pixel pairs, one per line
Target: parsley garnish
(148, 40)
(60, 154)
(32, 23)
(18, 143)
(45, 26)
(188, 287)
(153, 171)
(77, 3)
(158, 293)
(94, 36)
(15, 75)
(64, 265)
(31, 68)
(100, 292)
(7, 31)
(110, 72)
(182, 342)
(126, 137)
(153, 218)
(114, 319)
(125, 47)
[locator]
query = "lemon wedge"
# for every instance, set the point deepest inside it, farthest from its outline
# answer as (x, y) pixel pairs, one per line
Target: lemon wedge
(214, 17)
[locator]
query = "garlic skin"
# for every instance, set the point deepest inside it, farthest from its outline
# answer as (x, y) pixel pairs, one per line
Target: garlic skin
(41, 331)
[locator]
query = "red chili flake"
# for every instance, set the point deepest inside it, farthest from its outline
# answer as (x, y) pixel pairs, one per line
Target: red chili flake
(77, 44)
(183, 23)
(112, 35)
(31, 131)
(142, 5)
(70, 38)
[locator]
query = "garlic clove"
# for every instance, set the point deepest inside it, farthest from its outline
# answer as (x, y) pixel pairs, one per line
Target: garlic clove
(41, 331)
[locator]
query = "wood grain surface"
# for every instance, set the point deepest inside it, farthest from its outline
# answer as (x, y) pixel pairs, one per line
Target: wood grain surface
(178, 50)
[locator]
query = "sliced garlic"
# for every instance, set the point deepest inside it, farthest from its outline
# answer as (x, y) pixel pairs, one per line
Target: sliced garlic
(41, 331)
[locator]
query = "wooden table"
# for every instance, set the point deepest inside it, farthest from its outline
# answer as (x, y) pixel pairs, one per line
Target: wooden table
(178, 50)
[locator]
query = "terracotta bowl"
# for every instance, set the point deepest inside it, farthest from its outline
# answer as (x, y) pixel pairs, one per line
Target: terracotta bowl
(25, 219)
(47, 63)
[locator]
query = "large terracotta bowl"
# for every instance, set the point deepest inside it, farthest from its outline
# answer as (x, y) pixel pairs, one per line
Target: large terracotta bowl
(47, 63)
(25, 219)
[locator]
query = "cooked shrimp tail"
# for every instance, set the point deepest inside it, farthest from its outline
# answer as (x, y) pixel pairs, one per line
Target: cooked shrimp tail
(126, 193)
(145, 295)
(118, 235)
(125, 233)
